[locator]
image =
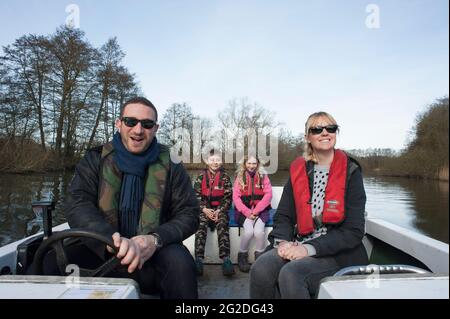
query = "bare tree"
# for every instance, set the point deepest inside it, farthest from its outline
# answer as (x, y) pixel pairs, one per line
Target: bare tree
(242, 120)
(28, 59)
(62, 90)
(109, 59)
(178, 117)
(72, 57)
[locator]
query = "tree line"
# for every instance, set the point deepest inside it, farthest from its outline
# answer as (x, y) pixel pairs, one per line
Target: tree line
(58, 96)
(236, 123)
(426, 154)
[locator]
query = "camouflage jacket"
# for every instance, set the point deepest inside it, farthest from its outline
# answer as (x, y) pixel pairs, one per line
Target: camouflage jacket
(179, 217)
(110, 185)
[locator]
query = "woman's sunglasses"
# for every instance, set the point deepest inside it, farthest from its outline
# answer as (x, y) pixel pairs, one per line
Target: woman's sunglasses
(318, 129)
(132, 122)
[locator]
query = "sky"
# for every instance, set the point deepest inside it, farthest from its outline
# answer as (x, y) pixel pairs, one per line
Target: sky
(374, 65)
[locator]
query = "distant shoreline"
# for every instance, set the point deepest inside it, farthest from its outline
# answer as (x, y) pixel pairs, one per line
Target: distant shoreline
(199, 167)
(442, 175)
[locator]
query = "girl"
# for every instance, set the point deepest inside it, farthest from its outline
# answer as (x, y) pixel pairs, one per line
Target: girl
(252, 194)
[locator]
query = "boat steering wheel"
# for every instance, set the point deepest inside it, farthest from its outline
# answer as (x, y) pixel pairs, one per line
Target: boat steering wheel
(56, 241)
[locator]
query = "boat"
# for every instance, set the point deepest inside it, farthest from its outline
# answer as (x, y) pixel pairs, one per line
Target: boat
(403, 265)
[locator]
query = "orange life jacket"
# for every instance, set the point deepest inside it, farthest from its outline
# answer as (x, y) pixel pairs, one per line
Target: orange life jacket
(334, 206)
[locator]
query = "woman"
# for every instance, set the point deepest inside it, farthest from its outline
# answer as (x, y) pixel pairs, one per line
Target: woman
(319, 223)
(252, 194)
(213, 188)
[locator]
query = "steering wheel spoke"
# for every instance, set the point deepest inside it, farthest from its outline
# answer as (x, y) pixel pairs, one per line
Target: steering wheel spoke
(106, 267)
(61, 257)
(57, 243)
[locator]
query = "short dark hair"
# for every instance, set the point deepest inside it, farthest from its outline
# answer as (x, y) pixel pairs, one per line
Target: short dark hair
(139, 100)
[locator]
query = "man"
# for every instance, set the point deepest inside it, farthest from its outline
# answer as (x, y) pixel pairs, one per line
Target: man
(129, 189)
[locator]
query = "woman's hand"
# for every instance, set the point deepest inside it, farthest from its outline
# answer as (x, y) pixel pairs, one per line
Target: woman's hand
(283, 247)
(292, 251)
(296, 252)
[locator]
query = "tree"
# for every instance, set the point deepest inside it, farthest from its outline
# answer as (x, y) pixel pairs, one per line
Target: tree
(428, 152)
(62, 90)
(243, 123)
(176, 118)
(109, 59)
(72, 57)
(28, 60)
(290, 146)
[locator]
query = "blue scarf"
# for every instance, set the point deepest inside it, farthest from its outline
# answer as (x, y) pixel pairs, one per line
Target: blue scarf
(134, 168)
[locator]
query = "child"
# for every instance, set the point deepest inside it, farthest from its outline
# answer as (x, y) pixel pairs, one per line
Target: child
(252, 194)
(213, 188)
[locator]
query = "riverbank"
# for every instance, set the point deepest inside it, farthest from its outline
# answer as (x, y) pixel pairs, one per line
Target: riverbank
(381, 173)
(442, 175)
(33, 170)
(25, 156)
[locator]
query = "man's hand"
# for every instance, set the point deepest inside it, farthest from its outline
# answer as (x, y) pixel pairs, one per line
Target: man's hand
(129, 251)
(146, 244)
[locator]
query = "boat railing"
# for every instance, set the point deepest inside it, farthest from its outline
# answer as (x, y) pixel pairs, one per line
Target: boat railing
(380, 269)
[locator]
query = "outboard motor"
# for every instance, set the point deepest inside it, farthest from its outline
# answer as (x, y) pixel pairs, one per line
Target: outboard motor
(27, 249)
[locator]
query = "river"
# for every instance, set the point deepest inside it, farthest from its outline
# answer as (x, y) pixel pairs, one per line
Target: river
(420, 205)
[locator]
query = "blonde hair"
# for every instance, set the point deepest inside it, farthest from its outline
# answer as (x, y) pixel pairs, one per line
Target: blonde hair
(308, 153)
(242, 168)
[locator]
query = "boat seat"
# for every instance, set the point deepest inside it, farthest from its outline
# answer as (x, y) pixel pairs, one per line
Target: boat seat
(211, 249)
(233, 222)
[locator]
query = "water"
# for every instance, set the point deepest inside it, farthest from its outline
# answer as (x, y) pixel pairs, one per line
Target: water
(415, 204)
(420, 205)
(17, 220)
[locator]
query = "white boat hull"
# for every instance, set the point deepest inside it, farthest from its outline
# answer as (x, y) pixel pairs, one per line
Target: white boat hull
(431, 253)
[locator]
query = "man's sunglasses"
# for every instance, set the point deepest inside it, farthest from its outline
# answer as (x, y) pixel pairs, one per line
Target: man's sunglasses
(132, 122)
(318, 129)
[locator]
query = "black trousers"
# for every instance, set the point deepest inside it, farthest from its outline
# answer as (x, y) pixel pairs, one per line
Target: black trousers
(171, 271)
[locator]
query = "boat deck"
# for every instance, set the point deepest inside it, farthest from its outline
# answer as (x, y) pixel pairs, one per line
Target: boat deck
(214, 285)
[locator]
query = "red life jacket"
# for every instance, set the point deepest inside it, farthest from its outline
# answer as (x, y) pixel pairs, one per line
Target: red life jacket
(212, 189)
(253, 190)
(334, 206)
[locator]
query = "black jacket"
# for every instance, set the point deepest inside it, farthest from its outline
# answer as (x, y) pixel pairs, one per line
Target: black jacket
(179, 212)
(343, 241)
